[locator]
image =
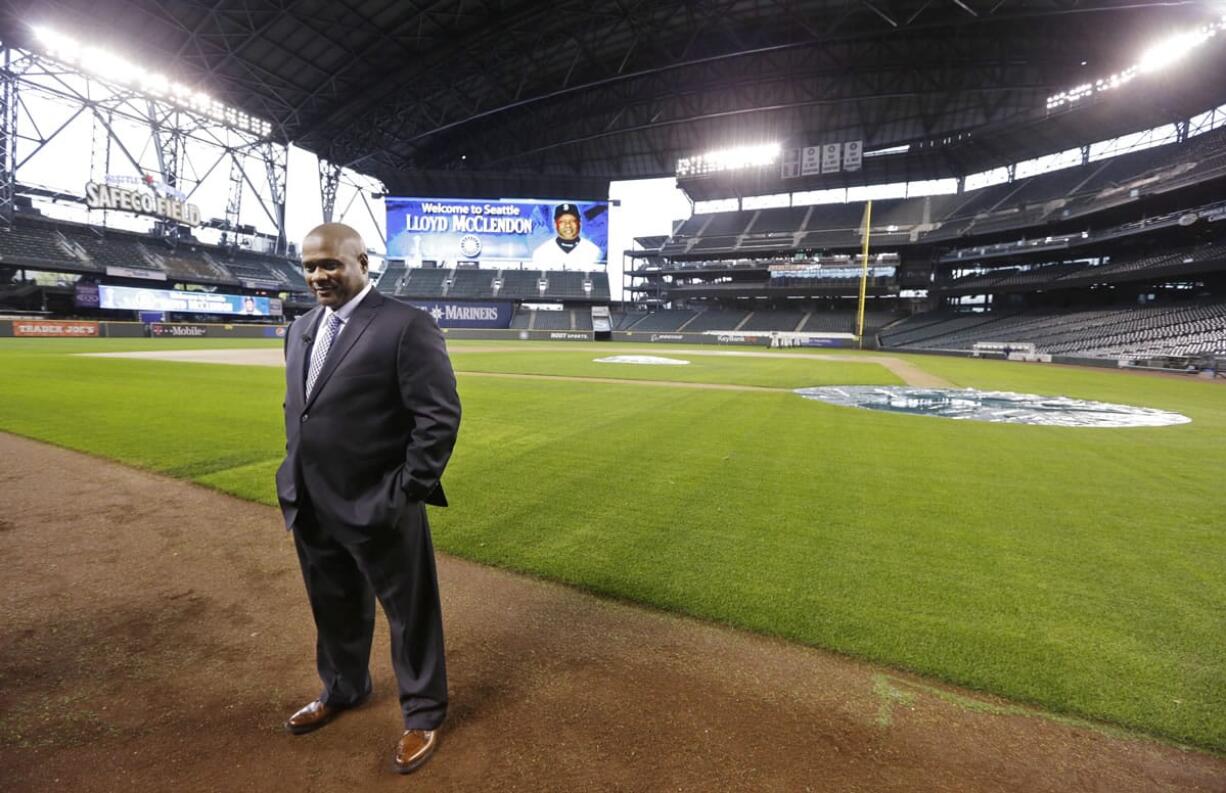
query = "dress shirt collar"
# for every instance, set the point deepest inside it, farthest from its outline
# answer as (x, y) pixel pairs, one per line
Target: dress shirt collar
(346, 311)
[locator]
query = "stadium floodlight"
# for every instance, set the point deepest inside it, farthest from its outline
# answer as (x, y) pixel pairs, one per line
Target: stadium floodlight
(1167, 51)
(113, 68)
(1155, 58)
(902, 149)
(731, 159)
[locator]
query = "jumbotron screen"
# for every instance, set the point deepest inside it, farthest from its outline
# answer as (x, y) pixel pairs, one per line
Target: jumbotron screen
(132, 298)
(537, 233)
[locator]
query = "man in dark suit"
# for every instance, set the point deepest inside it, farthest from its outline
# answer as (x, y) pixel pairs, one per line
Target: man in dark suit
(371, 416)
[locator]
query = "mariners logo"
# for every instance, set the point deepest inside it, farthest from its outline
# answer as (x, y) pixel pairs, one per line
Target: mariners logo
(470, 245)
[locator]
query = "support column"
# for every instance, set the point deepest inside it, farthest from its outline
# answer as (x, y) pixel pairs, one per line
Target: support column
(8, 140)
(329, 181)
(276, 162)
(234, 201)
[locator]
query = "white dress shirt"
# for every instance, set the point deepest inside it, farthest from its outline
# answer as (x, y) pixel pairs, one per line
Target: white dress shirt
(343, 313)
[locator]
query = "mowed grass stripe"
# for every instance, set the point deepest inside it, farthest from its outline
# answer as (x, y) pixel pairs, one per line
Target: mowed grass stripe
(1076, 569)
(765, 372)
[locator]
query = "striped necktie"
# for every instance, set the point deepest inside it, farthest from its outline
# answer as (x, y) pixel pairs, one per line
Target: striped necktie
(320, 352)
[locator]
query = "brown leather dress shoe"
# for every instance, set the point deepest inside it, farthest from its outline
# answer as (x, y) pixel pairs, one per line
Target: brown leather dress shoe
(311, 717)
(414, 749)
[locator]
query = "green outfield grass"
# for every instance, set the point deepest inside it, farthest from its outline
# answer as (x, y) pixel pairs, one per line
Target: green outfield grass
(1077, 569)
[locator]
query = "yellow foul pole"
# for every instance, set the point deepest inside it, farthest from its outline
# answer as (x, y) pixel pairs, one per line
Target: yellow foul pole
(868, 222)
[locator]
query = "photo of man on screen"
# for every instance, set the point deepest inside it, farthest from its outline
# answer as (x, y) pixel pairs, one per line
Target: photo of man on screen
(567, 250)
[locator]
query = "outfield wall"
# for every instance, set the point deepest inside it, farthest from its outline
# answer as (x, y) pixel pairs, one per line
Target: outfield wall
(79, 329)
(48, 328)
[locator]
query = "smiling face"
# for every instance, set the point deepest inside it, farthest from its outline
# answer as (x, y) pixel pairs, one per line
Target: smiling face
(568, 226)
(334, 263)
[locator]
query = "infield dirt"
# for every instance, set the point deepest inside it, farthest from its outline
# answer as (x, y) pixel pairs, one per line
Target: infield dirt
(156, 634)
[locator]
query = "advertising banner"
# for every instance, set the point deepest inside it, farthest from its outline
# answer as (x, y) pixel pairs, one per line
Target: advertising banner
(132, 272)
(129, 298)
(85, 295)
(146, 199)
(542, 234)
(159, 330)
(50, 327)
(455, 314)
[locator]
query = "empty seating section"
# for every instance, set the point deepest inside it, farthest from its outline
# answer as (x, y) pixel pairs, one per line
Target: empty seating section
(1051, 187)
(920, 333)
(600, 286)
(489, 284)
(873, 320)
(202, 267)
(663, 321)
(422, 282)
(34, 245)
(900, 213)
(247, 271)
(829, 322)
(767, 319)
(760, 244)
(830, 239)
(715, 319)
(996, 209)
(622, 320)
(287, 274)
(564, 285)
(1180, 329)
(726, 224)
(713, 244)
(1012, 218)
(471, 284)
(57, 245)
(1202, 258)
(390, 278)
(944, 206)
(786, 220)
(522, 319)
(111, 250)
(691, 226)
(567, 319)
(826, 217)
(1015, 278)
(520, 285)
(554, 320)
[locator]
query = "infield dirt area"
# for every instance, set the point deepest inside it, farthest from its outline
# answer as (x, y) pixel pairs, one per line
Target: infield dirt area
(155, 634)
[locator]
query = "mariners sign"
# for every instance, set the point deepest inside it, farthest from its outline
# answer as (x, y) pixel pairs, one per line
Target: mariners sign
(455, 314)
(102, 196)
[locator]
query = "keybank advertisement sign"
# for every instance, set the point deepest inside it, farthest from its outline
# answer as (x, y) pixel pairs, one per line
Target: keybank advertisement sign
(451, 314)
(449, 230)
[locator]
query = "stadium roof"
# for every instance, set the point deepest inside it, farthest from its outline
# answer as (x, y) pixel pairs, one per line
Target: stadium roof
(432, 96)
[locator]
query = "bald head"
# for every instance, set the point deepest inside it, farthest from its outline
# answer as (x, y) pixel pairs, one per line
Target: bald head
(334, 261)
(336, 235)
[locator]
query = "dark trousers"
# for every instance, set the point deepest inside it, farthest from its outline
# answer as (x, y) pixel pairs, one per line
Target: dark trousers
(343, 580)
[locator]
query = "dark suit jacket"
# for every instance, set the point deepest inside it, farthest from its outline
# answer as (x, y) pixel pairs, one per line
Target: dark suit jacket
(379, 426)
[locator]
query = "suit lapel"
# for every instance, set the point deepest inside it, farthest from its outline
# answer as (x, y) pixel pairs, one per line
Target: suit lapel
(354, 328)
